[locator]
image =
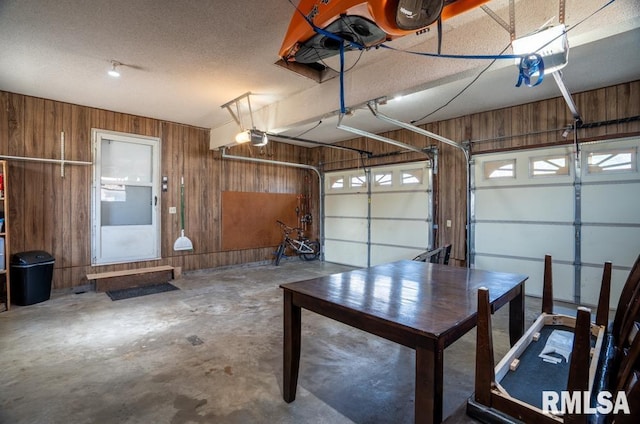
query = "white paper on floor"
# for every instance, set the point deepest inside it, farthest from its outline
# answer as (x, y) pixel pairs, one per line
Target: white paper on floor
(559, 342)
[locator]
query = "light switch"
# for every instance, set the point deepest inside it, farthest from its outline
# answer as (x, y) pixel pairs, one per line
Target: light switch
(172, 209)
(448, 223)
(165, 183)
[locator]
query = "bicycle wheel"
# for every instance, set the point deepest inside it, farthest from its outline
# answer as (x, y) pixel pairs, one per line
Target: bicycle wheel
(315, 246)
(279, 253)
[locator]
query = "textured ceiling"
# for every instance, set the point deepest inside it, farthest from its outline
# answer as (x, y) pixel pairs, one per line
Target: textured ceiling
(184, 59)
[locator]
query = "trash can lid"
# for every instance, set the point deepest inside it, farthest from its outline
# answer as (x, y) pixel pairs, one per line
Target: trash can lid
(31, 257)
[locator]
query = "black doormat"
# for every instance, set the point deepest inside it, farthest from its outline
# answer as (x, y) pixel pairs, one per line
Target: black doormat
(140, 291)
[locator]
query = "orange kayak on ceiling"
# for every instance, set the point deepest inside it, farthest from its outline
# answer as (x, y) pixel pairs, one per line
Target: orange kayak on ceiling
(363, 23)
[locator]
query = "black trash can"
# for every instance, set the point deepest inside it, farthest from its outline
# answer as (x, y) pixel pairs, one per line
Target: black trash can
(31, 274)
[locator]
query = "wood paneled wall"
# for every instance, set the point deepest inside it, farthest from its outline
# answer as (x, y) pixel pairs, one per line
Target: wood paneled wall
(538, 123)
(52, 213)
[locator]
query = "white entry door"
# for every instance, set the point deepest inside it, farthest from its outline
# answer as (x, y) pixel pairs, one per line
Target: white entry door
(125, 198)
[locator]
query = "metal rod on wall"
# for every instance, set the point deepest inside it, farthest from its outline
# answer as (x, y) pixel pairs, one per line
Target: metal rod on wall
(62, 161)
(59, 161)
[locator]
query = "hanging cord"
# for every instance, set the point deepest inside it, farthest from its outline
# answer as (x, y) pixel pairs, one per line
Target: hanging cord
(463, 90)
(309, 130)
(350, 67)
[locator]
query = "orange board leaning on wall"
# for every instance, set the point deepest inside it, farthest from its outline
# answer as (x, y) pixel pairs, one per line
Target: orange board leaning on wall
(249, 218)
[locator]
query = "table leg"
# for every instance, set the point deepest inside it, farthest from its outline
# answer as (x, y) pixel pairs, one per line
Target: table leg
(291, 363)
(429, 384)
(516, 316)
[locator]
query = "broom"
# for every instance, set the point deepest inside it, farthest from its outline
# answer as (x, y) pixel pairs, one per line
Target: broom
(182, 243)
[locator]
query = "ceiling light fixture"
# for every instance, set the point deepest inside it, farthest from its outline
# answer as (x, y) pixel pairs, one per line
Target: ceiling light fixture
(113, 72)
(256, 137)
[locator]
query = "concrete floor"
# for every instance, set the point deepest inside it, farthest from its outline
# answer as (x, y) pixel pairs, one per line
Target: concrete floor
(211, 353)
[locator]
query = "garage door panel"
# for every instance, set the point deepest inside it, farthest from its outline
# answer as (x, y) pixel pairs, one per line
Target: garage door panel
(400, 204)
(601, 198)
(385, 254)
(592, 281)
(563, 286)
(563, 282)
(346, 205)
(620, 245)
(590, 285)
(525, 240)
(346, 253)
(354, 229)
(546, 203)
(400, 233)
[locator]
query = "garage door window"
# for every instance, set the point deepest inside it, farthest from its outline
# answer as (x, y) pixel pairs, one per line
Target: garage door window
(549, 166)
(412, 176)
(336, 183)
(499, 169)
(358, 181)
(383, 179)
(611, 161)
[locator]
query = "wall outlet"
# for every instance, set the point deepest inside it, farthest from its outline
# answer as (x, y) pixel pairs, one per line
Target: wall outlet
(172, 209)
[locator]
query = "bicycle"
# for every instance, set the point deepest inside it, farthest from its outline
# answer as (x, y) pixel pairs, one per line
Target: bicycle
(306, 249)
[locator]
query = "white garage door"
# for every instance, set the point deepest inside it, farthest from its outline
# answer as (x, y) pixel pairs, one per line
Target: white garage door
(528, 203)
(379, 215)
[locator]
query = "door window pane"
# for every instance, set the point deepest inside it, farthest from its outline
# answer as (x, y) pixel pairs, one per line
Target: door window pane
(126, 162)
(125, 205)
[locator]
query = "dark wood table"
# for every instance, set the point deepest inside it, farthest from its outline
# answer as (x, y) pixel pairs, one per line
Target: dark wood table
(420, 305)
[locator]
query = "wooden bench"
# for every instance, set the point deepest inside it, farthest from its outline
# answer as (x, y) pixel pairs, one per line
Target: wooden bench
(602, 358)
(127, 278)
(439, 255)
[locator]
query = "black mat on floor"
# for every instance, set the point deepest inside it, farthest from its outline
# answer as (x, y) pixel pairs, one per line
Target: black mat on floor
(140, 291)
